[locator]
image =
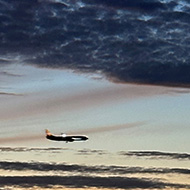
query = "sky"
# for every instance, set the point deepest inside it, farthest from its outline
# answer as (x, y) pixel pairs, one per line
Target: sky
(136, 132)
(116, 71)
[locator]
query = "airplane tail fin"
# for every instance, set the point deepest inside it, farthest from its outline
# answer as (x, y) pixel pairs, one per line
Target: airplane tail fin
(48, 132)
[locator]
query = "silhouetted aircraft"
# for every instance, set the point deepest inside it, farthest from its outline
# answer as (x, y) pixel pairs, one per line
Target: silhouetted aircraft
(64, 137)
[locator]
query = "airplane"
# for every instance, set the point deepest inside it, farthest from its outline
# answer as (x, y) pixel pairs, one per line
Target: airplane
(64, 137)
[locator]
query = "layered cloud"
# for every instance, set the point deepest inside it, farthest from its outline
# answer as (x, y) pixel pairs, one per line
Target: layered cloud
(139, 154)
(80, 176)
(86, 182)
(131, 41)
(40, 174)
(83, 169)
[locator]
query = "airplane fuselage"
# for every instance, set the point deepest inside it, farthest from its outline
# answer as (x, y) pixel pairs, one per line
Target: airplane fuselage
(66, 138)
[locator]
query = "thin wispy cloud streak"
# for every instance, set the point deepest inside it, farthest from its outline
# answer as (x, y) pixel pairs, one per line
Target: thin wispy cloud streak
(91, 152)
(26, 149)
(9, 74)
(9, 94)
(109, 128)
(25, 138)
(32, 106)
(140, 154)
(156, 155)
(22, 138)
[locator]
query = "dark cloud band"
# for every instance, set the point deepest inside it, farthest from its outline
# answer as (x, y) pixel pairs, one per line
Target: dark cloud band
(157, 155)
(135, 41)
(113, 170)
(84, 182)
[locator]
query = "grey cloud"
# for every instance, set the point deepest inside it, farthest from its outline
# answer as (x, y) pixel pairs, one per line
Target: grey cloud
(25, 149)
(144, 41)
(9, 74)
(116, 170)
(91, 152)
(132, 170)
(156, 154)
(9, 149)
(52, 150)
(143, 154)
(85, 182)
(4, 61)
(142, 5)
(10, 94)
(87, 176)
(181, 91)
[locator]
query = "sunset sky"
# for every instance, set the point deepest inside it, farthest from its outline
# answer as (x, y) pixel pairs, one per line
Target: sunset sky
(116, 71)
(128, 126)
